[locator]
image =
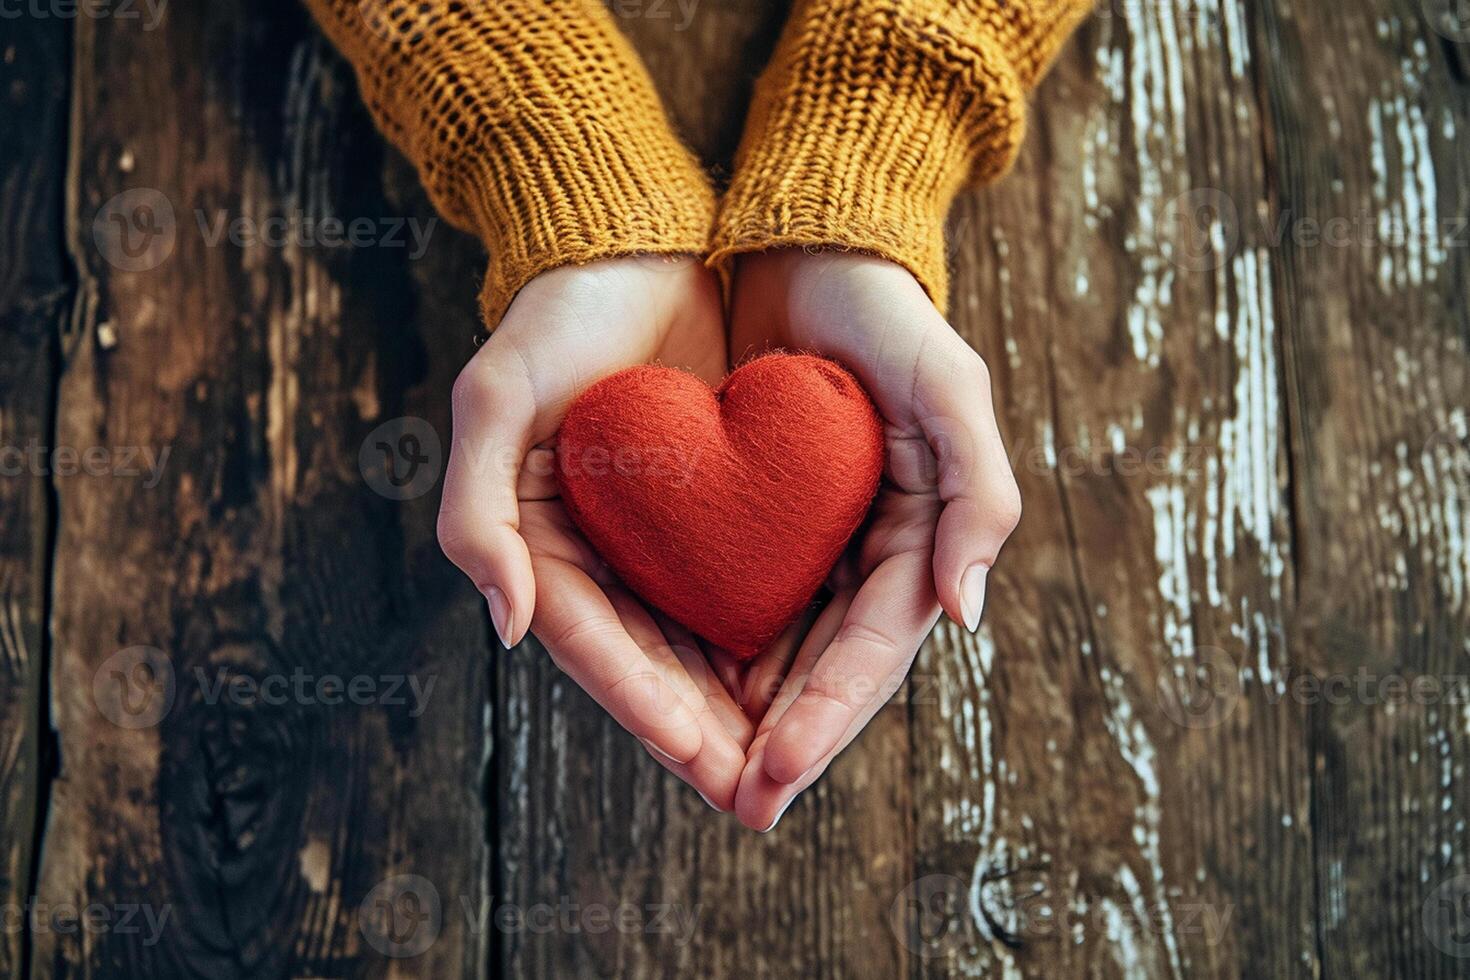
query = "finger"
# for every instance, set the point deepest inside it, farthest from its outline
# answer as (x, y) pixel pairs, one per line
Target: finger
(816, 642)
(732, 720)
(700, 666)
(769, 672)
(715, 771)
(888, 620)
(584, 635)
(729, 669)
(676, 651)
(982, 504)
(548, 531)
(537, 478)
(761, 801)
(479, 517)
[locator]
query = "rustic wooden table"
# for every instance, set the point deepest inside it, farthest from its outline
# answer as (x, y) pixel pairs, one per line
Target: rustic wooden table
(1217, 721)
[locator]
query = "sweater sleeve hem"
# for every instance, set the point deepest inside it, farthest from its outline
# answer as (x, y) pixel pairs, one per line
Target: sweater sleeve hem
(866, 126)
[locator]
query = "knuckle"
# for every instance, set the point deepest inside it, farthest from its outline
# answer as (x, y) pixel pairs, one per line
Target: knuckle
(586, 628)
(456, 539)
(832, 691)
(493, 384)
(636, 679)
(961, 388)
(1008, 507)
(977, 373)
(862, 634)
(856, 690)
(473, 389)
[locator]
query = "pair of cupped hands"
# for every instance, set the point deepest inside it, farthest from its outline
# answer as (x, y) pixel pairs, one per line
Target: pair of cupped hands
(749, 737)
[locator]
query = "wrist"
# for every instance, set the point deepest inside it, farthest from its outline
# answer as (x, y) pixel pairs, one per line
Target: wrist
(623, 288)
(829, 300)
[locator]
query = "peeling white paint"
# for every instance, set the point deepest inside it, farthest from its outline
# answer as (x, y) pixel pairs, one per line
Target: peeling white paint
(1155, 98)
(965, 817)
(1410, 244)
(1237, 44)
(1134, 746)
(1171, 528)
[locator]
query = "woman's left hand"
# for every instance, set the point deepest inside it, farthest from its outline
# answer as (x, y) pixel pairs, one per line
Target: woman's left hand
(947, 504)
(502, 520)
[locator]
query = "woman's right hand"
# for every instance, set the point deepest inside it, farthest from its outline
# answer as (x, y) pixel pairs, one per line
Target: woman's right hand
(502, 522)
(946, 506)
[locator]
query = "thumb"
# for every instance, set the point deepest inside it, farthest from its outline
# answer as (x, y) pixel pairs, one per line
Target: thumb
(494, 410)
(982, 504)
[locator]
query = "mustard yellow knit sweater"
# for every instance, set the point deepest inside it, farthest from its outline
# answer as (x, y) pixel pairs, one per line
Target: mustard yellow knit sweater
(534, 125)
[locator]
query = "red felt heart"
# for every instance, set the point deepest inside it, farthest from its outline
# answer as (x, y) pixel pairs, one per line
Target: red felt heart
(726, 509)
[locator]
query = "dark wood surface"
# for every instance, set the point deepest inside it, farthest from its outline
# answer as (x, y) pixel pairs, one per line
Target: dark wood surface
(1181, 745)
(34, 301)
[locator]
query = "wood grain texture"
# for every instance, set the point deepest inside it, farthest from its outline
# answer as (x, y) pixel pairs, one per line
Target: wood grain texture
(1166, 341)
(1239, 427)
(1098, 833)
(253, 828)
(1378, 381)
(34, 292)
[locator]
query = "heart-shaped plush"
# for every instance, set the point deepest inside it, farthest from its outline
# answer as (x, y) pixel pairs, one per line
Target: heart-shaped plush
(725, 509)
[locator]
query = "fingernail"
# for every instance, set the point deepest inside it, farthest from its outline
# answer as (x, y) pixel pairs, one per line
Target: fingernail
(972, 596)
(660, 753)
(499, 614)
(711, 804)
(779, 815)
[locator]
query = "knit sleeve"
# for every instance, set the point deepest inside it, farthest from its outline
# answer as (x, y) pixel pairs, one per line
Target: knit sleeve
(874, 114)
(532, 123)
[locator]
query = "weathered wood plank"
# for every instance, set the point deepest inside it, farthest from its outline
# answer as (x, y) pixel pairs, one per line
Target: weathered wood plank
(33, 294)
(258, 826)
(1244, 458)
(1081, 822)
(1375, 335)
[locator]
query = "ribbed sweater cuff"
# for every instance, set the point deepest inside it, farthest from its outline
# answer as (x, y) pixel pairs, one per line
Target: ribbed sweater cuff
(868, 123)
(532, 123)
(577, 195)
